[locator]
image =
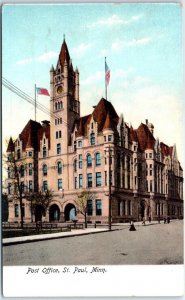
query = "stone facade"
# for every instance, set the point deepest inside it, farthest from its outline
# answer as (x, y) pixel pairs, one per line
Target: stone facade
(71, 153)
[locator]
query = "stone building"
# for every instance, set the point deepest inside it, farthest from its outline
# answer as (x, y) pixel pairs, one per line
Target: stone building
(71, 153)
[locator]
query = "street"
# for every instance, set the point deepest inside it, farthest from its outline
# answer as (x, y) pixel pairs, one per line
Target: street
(150, 244)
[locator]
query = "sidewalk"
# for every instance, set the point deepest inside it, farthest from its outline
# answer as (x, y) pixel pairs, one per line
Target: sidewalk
(41, 237)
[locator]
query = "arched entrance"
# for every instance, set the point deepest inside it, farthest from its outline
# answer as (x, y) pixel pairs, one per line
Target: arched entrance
(142, 209)
(69, 212)
(54, 213)
(39, 212)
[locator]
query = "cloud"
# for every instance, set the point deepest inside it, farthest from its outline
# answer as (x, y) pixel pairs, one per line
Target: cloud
(43, 58)
(97, 76)
(115, 20)
(120, 45)
(81, 49)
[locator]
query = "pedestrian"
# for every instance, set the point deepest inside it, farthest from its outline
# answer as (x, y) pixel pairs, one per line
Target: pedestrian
(149, 219)
(132, 227)
(164, 220)
(143, 221)
(168, 219)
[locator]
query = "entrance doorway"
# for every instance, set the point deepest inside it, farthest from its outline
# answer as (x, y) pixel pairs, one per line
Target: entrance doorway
(54, 213)
(39, 212)
(142, 209)
(69, 212)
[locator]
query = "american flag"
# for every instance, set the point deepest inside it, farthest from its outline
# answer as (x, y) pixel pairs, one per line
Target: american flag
(42, 91)
(107, 74)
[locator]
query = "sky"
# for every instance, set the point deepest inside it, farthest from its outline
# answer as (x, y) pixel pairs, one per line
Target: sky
(143, 47)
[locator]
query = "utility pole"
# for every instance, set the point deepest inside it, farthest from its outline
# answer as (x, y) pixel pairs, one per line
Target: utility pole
(110, 183)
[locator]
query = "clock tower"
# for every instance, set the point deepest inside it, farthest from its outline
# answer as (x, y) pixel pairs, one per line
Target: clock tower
(64, 102)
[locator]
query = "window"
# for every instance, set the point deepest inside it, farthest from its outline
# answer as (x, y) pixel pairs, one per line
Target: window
(146, 155)
(56, 134)
(89, 207)
(56, 121)
(74, 145)
(60, 120)
(150, 166)
(129, 207)
(22, 186)
(59, 167)
(98, 159)
(9, 172)
(104, 138)
(59, 148)
(30, 185)
(22, 171)
(30, 153)
(59, 184)
(92, 125)
(150, 172)
(59, 134)
(80, 180)
(75, 165)
(45, 170)
(23, 210)
(98, 207)
(80, 161)
(9, 188)
(89, 180)
(92, 139)
(16, 210)
(150, 155)
(56, 106)
(30, 169)
(45, 185)
(79, 144)
(98, 178)
(105, 178)
(75, 183)
(44, 152)
(109, 138)
(150, 185)
(18, 154)
(89, 161)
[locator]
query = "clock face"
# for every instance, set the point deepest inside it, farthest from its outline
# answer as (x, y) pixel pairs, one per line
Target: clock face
(60, 89)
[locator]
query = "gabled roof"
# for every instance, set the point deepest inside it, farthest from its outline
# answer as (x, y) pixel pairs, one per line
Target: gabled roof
(29, 135)
(11, 146)
(145, 137)
(100, 112)
(41, 131)
(133, 134)
(82, 125)
(166, 150)
(109, 123)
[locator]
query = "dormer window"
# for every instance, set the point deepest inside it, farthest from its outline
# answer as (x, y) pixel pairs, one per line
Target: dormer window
(44, 152)
(109, 138)
(79, 144)
(18, 154)
(30, 153)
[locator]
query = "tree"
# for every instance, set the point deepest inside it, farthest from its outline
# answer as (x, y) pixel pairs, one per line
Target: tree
(82, 202)
(41, 198)
(14, 169)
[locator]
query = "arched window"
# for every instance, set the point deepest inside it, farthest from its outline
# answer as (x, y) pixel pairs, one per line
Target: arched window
(92, 139)
(44, 152)
(61, 104)
(98, 159)
(18, 154)
(59, 167)
(45, 170)
(89, 160)
(56, 106)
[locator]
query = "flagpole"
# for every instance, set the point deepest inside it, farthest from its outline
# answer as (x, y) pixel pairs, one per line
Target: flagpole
(35, 102)
(105, 81)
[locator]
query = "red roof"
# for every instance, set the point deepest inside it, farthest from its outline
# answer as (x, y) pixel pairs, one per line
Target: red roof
(11, 146)
(82, 123)
(41, 131)
(145, 137)
(29, 134)
(133, 134)
(166, 150)
(64, 54)
(109, 123)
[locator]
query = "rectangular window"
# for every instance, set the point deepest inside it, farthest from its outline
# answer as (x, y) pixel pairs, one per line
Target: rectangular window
(75, 183)
(98, 178)
(129, 207)
(150, 155)
(89, 207)
(128, 181)
(59, 184)
(79, 144)
(98, 207)
(30, 185)
(45, 185)
(151, 186)
(89, 180)
(150, 166)
(56, 134)
(16, 210)
(30, 153)
(105, 178)
(150, 172)
(80, 180)
(109, 138)
(9, 188)
(22, 186)
(104, 138)
(80, 161)
(59, 134)
(58, 148)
